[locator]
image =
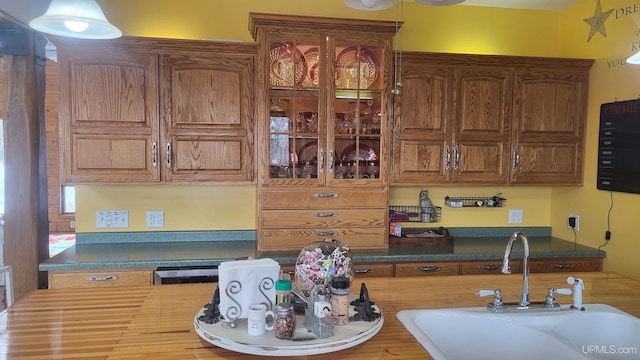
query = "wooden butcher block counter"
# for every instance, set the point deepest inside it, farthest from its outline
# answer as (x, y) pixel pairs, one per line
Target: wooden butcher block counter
(156, 322)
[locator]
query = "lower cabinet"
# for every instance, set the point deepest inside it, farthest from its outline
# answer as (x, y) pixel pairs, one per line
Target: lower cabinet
(426, 268)
(565, 265)
(100, 278)
(141, 277)
(478, 267)
(360, 270)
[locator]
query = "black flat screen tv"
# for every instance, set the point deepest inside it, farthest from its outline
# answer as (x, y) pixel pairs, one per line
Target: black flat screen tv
(619, 147)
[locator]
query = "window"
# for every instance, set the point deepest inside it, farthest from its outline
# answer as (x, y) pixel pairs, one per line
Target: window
(68, 200)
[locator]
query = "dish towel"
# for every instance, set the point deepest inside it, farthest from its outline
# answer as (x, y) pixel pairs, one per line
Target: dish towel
(246, 282)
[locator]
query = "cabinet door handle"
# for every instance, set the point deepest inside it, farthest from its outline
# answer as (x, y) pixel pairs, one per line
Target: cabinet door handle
(325, 195)
(325, 214)
(168, 154)
(154, 154)
(562, 266)
(447, 157)
(516, 158)
(428, 268)
(363, 270)
(325, 233)
(102, 277)
(321, 161)
(456, 157)
(489, 267)
(330, 162)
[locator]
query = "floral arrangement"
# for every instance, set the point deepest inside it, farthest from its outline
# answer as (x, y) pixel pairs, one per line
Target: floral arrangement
(318, 263)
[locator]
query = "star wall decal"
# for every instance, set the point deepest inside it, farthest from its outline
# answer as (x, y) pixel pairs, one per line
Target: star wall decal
(597, 21)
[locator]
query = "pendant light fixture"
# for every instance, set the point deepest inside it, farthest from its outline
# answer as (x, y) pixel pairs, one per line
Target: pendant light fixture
(634, 59)
(439, 2)
(369, 4)
(75, 18)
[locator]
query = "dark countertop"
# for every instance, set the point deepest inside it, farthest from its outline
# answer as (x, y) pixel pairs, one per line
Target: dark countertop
(150, 254)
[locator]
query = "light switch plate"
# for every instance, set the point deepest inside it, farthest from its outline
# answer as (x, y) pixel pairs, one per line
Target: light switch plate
(515, 216)
(112, 219)
(155, 219)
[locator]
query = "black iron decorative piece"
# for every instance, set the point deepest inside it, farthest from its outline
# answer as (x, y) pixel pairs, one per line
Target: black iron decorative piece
(363, 306)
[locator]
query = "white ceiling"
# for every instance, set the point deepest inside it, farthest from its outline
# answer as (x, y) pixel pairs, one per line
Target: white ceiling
(25, 10)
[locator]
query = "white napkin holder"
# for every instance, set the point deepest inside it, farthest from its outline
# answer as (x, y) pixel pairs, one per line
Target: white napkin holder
(246, 282)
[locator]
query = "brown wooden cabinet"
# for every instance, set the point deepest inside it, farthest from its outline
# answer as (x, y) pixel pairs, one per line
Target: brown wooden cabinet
(323, 105)
(146, 110)
(100, 278)
(109, 118)
(473, 119)
(565, 265)
(479, 267)
(451, 122)
(549, 123)
(427, 268)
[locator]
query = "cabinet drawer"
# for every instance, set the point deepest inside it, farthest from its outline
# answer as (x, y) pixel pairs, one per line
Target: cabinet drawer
(565, 265)
(323, 198)
(277, 219)
(99, 278)
(366, 270)
(427, 269)
(296, 239)
(488, 267)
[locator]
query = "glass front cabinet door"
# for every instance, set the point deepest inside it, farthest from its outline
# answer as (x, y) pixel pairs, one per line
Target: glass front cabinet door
(326, 91)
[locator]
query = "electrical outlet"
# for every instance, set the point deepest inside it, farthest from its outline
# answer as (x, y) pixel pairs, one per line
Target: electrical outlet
(112, 219)
(576, 225)
(72, 224)
(515, 216)
(155, 219)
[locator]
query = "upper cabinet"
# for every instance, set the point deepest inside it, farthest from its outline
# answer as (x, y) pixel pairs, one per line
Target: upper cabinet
(109, 119)
(549, 122)
(493, 120)
(323, 110)
(148, 110)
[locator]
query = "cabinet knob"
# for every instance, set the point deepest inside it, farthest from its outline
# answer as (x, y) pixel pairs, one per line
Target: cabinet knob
(325, 214)
(154, 154)
(490, 267)
(325, 233)
(447, 157)
(325, 195)
(102, 277)
(428, 268)
(168, 155)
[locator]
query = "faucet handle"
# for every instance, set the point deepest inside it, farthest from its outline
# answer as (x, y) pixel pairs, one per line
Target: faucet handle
(564, 291)
(483, 293)
(550, 300)
(497, 302)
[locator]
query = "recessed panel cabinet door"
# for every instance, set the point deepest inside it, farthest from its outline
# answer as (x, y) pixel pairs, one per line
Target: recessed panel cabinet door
(549, 126)
(207, 104)
(482, 118)
(422, 131)
(108, 116)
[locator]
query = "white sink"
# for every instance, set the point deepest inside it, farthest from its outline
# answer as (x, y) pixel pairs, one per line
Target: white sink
(600, 332)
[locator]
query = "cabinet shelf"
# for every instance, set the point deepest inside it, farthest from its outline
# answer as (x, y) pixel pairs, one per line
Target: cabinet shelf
(486, 202)
(410, 213)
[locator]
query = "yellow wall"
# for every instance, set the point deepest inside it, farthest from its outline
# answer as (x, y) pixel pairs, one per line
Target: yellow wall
(610, 80)
(459, 29)
(185, 207)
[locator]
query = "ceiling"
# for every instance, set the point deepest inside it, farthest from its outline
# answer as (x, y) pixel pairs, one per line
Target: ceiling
(25, 10)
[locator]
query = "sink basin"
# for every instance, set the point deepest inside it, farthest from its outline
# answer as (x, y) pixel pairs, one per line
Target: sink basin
(600, 332)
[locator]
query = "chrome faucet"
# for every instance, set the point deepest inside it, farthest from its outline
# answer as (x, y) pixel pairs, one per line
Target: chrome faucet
(524, 298)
